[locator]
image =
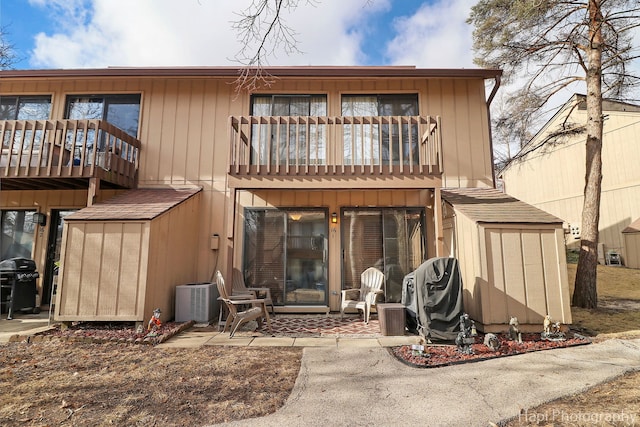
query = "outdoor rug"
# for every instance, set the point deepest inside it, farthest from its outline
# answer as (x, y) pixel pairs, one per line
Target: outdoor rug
(321, 326)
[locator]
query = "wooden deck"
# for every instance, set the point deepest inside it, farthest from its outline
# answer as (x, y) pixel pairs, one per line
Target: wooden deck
(66, 154)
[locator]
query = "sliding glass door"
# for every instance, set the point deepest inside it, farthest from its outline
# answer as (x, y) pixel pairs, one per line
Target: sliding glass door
(286, 250)
(393, 240)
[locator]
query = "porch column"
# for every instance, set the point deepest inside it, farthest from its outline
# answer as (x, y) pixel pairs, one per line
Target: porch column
(437, 213)
(231, 212)
(94, 189)
(230, 231)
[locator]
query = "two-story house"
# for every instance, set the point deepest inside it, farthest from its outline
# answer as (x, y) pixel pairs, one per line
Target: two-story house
(163, 175)
(555, 160)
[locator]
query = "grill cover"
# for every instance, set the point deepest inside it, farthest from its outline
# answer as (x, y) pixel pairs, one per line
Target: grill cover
(432, 296)
(14, 265)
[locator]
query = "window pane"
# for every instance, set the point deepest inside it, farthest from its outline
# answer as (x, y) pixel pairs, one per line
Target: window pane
(363, 145)
(17, 234)
(306, 258)
(85, 108)
(391, 240)
(8, 107)
(122, 111)
(286, 250)
(34, 108)
(25, 107)
(295, 144)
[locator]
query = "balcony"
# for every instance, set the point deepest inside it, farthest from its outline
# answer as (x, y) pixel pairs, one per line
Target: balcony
(66, 154)
(335, 152)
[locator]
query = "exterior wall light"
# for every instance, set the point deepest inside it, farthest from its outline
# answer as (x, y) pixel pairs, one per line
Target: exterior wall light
(334, 218)
(40, 219)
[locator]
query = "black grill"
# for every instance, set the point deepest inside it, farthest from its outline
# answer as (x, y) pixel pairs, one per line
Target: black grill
(18, 285)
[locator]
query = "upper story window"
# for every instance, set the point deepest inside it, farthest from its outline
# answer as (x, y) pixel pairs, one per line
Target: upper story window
(289, 105)
(122, 111)
(33, 107)
(294, 142)
(386, 141)
(380, 105)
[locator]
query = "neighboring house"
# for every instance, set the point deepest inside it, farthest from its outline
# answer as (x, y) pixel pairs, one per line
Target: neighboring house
(549, 172)
(302, 185)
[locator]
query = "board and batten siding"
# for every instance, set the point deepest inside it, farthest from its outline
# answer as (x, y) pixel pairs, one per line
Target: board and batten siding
(109, 283)
(510, 270)
(127, 268)
(184, 121)
(184, 131)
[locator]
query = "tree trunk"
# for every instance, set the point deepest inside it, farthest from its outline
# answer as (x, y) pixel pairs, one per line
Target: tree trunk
(585, 292)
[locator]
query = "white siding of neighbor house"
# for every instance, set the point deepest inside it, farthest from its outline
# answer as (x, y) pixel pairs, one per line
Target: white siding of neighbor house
(553, 179)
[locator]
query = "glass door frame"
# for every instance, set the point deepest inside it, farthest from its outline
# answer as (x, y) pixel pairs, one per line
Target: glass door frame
(52, 255)
(286, 282)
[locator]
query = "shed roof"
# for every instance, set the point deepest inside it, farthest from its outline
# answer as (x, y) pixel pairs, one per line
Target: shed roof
(138, 204)
(634, 227)
(489, 205)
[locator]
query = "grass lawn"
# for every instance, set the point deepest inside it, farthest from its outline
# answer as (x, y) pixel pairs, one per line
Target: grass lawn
(617, 316)
(618, 309)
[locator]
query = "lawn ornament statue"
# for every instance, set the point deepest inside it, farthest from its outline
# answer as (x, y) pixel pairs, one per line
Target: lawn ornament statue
(514, 330)
(154, 323)
(492, 341)
(551, 330)
(467, 334)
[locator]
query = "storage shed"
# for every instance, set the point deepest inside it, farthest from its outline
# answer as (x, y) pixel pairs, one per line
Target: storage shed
(124, 257)
(512, 259)
(631, 239)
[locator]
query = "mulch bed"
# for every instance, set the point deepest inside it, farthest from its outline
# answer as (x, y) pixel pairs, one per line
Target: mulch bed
(446, 355)
(105, 332)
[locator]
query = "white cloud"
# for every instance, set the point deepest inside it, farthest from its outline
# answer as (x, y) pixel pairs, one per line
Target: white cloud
(189, 32)
(437, 36)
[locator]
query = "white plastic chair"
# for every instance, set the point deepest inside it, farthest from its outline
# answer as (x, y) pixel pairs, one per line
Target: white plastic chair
(366, 297)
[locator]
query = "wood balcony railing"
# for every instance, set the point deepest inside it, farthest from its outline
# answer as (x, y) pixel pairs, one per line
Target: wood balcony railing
(42, 154)
(291, 147)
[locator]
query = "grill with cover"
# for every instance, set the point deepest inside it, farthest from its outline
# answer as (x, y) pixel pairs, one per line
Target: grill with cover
(432, 296)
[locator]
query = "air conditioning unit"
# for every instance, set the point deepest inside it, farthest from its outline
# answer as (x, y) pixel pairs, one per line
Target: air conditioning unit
(197, 301)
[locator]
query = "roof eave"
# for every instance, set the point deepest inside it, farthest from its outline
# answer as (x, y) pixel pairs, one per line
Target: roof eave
(299, 71)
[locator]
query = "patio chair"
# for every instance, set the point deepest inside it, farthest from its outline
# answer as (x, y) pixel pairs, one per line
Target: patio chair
(366, 297)
(241, 311)
(240, 288)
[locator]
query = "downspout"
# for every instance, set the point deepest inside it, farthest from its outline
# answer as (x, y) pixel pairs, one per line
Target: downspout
(497, 80)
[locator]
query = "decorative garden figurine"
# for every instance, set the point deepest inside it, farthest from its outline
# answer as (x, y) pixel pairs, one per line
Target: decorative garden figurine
(154, 322)
(492, 341)
(514, 330)
(467, 334)
(547, 324)
(419, 350)
(552, 331)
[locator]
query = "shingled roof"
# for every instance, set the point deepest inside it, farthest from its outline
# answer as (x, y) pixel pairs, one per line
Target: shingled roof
(138, 204)
(489, 205)
(634, 227)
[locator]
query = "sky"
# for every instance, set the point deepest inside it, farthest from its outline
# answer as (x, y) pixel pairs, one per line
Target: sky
(102, 33)
(141, 33)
